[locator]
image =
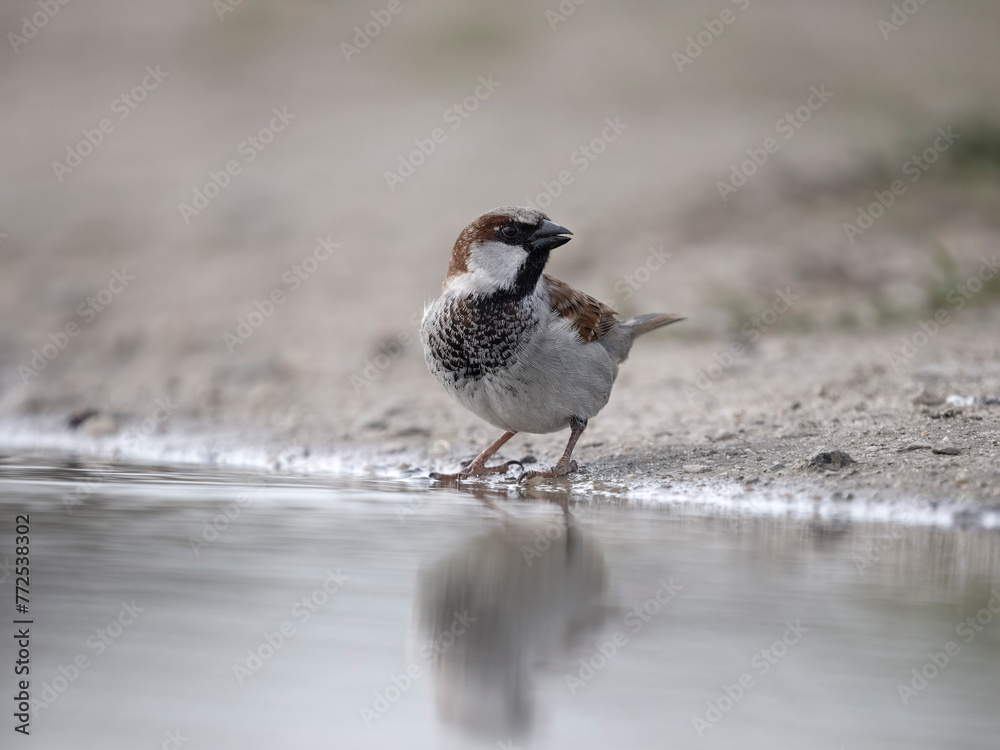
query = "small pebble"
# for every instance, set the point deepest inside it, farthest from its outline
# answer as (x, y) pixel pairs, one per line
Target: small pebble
(831, 460)
(413, 430)
(945, 413)
(696, 468)
(916, 447)
(925, 398)
(100, 426)
(74, 420)
(946, 449)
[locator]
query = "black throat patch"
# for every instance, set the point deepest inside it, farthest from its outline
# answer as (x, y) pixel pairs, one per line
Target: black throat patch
(527, 277)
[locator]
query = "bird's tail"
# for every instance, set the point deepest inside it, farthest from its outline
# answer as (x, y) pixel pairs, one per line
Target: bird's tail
(641, 324)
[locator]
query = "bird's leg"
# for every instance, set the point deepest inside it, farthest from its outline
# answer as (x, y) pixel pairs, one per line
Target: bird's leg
(478, 465)
(565, 465)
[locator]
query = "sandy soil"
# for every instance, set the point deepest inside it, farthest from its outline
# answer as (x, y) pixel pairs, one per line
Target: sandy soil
(815, 313)
(764, 421)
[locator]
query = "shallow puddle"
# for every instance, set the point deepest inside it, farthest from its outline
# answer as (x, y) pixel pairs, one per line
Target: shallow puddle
(180, 608)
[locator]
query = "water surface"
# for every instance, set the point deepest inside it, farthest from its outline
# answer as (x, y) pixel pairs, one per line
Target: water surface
(265, 611)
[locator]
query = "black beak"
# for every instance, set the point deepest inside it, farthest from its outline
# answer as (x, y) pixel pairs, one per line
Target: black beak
(548, 237)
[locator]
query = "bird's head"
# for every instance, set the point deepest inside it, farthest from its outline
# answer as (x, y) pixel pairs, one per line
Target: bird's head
(503, 250)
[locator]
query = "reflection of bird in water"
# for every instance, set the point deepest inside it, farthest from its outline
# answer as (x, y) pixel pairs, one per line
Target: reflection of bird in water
(531, 589)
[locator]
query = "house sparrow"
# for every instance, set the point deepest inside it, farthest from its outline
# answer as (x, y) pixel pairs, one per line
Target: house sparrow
(518, 348)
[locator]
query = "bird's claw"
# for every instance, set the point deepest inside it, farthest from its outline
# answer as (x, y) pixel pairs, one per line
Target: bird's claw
(498, 469)
(475, 471)
(559, 470)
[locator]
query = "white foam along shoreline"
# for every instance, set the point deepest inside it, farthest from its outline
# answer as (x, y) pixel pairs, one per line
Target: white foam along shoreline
(193, 446)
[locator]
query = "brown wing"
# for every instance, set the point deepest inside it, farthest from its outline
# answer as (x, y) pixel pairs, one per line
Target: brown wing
(591, 318)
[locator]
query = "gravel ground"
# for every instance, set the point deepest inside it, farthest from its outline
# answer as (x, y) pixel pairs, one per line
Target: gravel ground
(117, 309)
(824, 419)
(929, 429)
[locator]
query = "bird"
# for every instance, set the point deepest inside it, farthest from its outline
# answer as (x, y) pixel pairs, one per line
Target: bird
(517, 347)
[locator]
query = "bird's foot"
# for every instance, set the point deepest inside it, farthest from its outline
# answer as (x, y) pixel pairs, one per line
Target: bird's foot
(475, 470)
(561, 469)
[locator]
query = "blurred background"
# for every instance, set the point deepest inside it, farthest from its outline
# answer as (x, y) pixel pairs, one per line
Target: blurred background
(225, 217)
(695, 90)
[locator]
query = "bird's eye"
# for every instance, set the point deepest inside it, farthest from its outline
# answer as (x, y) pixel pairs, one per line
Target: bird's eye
(509, 231)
